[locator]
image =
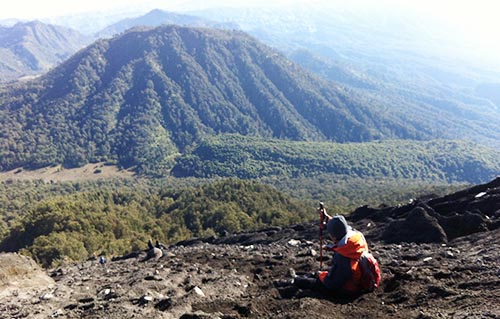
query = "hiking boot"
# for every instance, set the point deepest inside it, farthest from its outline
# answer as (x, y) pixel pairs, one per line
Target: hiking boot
(283, 283)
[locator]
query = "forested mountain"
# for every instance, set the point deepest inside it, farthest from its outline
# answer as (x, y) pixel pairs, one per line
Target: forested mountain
(29, 48)
(144, 96)
(251, 157)
(158, 17)
(100, 220)
(386, 54)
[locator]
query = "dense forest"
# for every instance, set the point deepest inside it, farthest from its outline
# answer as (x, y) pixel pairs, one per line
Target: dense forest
(142, 98)
(61, 222)
(116, 221)
(250, 157)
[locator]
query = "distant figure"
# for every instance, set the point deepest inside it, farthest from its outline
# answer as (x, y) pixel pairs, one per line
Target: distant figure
(102, 260)
(150, 244)
(152, 251)
(160, 245)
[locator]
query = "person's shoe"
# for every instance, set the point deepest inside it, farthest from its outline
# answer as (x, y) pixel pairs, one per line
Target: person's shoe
(283, 283)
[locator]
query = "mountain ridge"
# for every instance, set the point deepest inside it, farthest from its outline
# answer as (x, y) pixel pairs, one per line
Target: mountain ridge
(30, 48)
(159, 17)
(142, 103)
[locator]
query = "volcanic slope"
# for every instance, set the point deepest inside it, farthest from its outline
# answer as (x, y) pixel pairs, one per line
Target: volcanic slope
(436, 271)
(142, 97)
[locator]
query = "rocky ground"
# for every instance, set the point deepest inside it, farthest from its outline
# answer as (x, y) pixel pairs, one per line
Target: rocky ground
(440, 258)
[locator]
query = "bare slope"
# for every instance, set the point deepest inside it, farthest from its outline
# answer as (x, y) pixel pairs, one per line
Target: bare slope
(232, 277)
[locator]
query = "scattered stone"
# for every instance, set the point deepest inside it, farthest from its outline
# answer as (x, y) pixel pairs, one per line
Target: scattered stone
(153, 278)
(86, 300)
(480, 195)
(47, 296)
(71, 306)
(294, 242)
(57, 313)
(448, 254)
(87, 306)
(197, 290)
(164, 304)
(200, 315)
(145, 299)
(244, 311)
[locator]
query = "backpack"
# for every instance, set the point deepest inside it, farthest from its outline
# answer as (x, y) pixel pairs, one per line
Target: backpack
(370, 272)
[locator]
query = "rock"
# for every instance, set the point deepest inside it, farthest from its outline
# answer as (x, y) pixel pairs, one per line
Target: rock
(197, 290)
(47, 296)
(418, 227)
(164, 304)
(293, 242)
(145, 299)
(153, 278)
(57, 313)
(448, 254)
(200, 315)
(86, 300)
(480, 195)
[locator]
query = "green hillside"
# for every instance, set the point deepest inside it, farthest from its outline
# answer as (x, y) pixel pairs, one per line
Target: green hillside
(118, 219)
(142, 98)
(250, 157)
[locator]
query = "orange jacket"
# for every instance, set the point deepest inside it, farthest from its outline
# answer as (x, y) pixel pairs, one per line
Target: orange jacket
(345, 273)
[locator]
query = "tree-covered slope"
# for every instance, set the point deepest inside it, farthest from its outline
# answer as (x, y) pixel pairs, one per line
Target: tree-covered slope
(81, 224)
(414, 71)
(246, 157)
(29, 48)
(142, 97)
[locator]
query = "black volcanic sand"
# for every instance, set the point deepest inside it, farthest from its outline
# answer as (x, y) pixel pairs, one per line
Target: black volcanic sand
(440, 258)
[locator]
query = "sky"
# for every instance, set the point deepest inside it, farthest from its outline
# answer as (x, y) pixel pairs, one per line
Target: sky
(476, 22)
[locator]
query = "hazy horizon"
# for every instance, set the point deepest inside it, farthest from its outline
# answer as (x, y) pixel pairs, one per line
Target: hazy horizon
(471, 26)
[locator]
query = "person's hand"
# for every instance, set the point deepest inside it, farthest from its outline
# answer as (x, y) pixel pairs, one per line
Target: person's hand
(323, 214)
(328, 247)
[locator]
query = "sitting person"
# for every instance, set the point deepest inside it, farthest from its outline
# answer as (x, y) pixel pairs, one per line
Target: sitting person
(344, 275)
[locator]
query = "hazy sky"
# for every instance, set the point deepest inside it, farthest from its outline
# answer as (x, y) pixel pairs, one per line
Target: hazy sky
(478, 21)
(481, 11)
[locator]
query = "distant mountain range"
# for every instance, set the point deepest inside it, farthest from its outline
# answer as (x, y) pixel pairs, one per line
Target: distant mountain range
(388, 54)
(158, 17)
(30, 48)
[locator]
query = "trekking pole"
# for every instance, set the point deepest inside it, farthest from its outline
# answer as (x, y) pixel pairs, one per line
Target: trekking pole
(321, 221)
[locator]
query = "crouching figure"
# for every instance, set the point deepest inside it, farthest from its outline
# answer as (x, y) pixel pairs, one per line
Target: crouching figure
(353, 269)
